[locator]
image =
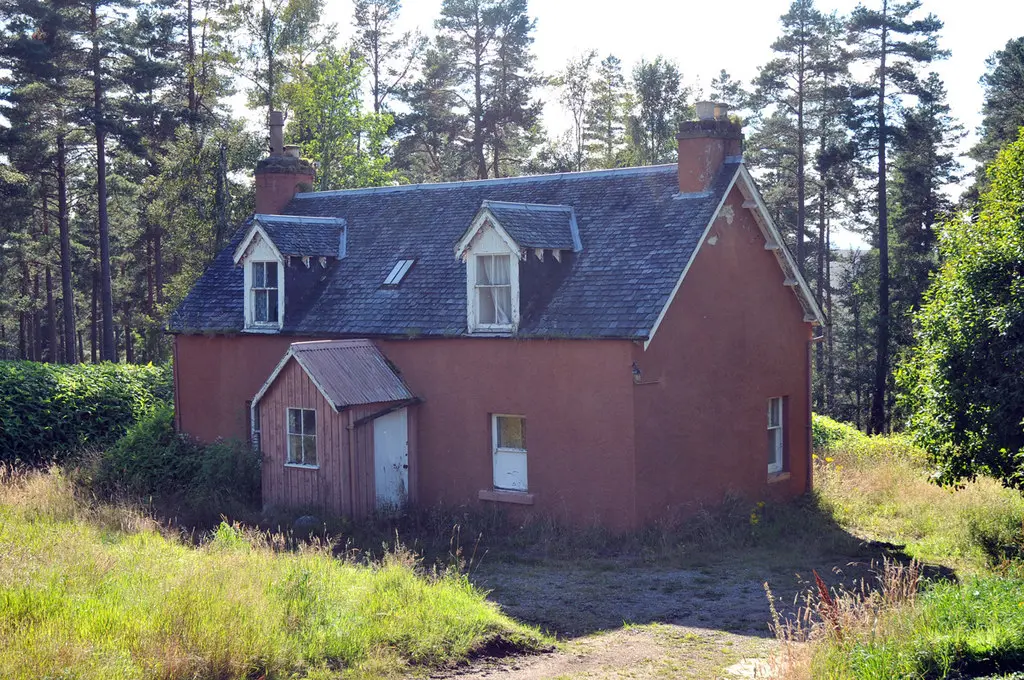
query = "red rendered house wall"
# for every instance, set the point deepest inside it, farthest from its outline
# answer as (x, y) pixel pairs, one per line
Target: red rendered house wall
(733, 338)
(577, 397)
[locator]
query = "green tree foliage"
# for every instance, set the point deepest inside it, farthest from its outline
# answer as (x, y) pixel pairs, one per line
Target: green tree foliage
(661, 103)
(389, 56)
(274, 38)
(333, 130)
(961, 383)
(575, 84)
(604, 120)
(924, 167)
(1003, 108)
(786, 84)
(483, 48)
(893, 44)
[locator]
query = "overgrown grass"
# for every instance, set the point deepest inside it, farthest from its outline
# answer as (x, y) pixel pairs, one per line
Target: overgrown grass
(90, 590)
(879, 488)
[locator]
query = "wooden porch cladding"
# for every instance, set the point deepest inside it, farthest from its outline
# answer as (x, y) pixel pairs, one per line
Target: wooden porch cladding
(342, 482)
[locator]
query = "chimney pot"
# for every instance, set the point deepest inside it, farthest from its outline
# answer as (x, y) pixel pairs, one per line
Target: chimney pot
(721, 111)
(282, 174)
(276, 133)
(705, 110)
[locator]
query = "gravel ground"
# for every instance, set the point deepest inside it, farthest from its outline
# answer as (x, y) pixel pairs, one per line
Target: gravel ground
(620, 620)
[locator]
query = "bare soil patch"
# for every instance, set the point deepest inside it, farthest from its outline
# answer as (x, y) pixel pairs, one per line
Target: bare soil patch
(622, 619)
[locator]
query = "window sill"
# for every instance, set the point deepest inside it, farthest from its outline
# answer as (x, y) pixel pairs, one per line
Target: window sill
(300, 466)
(262, 329)
(499, 496)
(774, 477)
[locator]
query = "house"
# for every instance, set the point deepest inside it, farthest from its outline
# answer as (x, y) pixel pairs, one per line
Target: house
(610, 347)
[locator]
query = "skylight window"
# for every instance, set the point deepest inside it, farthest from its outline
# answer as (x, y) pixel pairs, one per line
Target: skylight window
(398, 273)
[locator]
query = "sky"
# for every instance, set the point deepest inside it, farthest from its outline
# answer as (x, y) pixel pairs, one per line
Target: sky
(704, 37)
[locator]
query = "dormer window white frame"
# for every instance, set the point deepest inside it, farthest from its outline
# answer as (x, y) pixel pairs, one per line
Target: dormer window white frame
(263, 282)
(492, 277)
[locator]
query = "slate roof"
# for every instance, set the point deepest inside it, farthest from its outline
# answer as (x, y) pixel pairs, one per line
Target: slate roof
(537, 226)
(637, 233)
(304, 236)
(347, 372)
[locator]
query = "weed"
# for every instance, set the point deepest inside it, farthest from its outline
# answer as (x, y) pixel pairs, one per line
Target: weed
(99, 591)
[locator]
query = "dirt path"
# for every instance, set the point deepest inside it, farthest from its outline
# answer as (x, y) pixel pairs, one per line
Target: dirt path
(621, 621)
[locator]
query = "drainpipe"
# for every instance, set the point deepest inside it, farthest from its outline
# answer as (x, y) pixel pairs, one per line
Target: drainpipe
(815, 339)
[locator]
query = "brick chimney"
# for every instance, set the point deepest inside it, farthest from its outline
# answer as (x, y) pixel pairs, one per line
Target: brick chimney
(282, 174)
(704, 145)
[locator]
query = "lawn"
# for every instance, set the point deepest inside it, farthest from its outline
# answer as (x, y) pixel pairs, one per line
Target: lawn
(90, 590)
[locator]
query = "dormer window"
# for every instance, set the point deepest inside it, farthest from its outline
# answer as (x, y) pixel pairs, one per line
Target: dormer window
(493, 291)
(263, 293)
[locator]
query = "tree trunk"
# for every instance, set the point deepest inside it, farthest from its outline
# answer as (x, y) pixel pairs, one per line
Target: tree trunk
(108, 349)
(51, 309)
(801, 177)
(478, 103)
(67, 291)
(882, 343)
(822, 282)
(190, 73)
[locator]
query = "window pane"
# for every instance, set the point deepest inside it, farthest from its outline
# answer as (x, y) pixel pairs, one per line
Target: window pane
(511, 433)
(259, 276)
(294, 421)
(259, 305)
(774, 449)
(294, 448)
(774, 412)
(271, 305)
(493, 270)
(271, 277)
(485, 305)
(502, 304)
(510, 471)
(309, 450)
(308, 421)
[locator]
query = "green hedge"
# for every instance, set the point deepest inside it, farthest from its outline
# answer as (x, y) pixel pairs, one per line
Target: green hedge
(49, 410)
(152, 460)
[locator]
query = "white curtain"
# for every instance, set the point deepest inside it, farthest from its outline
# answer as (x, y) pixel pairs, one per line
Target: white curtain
(494, 279)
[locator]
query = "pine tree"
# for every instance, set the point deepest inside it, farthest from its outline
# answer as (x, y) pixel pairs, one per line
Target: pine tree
(893, 45)
(390, 57)
(273, 38)
(786, 83)
(604, 120)
(1003, 109)
(924, 167)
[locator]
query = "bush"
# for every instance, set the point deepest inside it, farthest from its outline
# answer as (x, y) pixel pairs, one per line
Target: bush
(153, 460)
(826, 433)
(48, 411)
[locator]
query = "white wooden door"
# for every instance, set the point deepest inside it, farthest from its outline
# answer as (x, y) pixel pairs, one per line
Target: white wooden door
(391, 458)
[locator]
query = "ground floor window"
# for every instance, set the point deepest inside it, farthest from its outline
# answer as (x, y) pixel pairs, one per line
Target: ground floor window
(508, 434)
(776, 434)
(302, 436)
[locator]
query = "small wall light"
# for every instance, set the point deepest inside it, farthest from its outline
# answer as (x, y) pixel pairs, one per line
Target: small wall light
(637, 375)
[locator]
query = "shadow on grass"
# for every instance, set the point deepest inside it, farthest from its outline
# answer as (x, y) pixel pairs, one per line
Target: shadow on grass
(705, 571)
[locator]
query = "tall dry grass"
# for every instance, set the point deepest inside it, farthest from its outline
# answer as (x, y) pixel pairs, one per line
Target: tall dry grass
(91, 590)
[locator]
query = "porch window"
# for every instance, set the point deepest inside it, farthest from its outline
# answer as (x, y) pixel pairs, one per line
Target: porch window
(508, 435)
(776, 435)
(494, 291)
(302, 437)
(263, 293)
